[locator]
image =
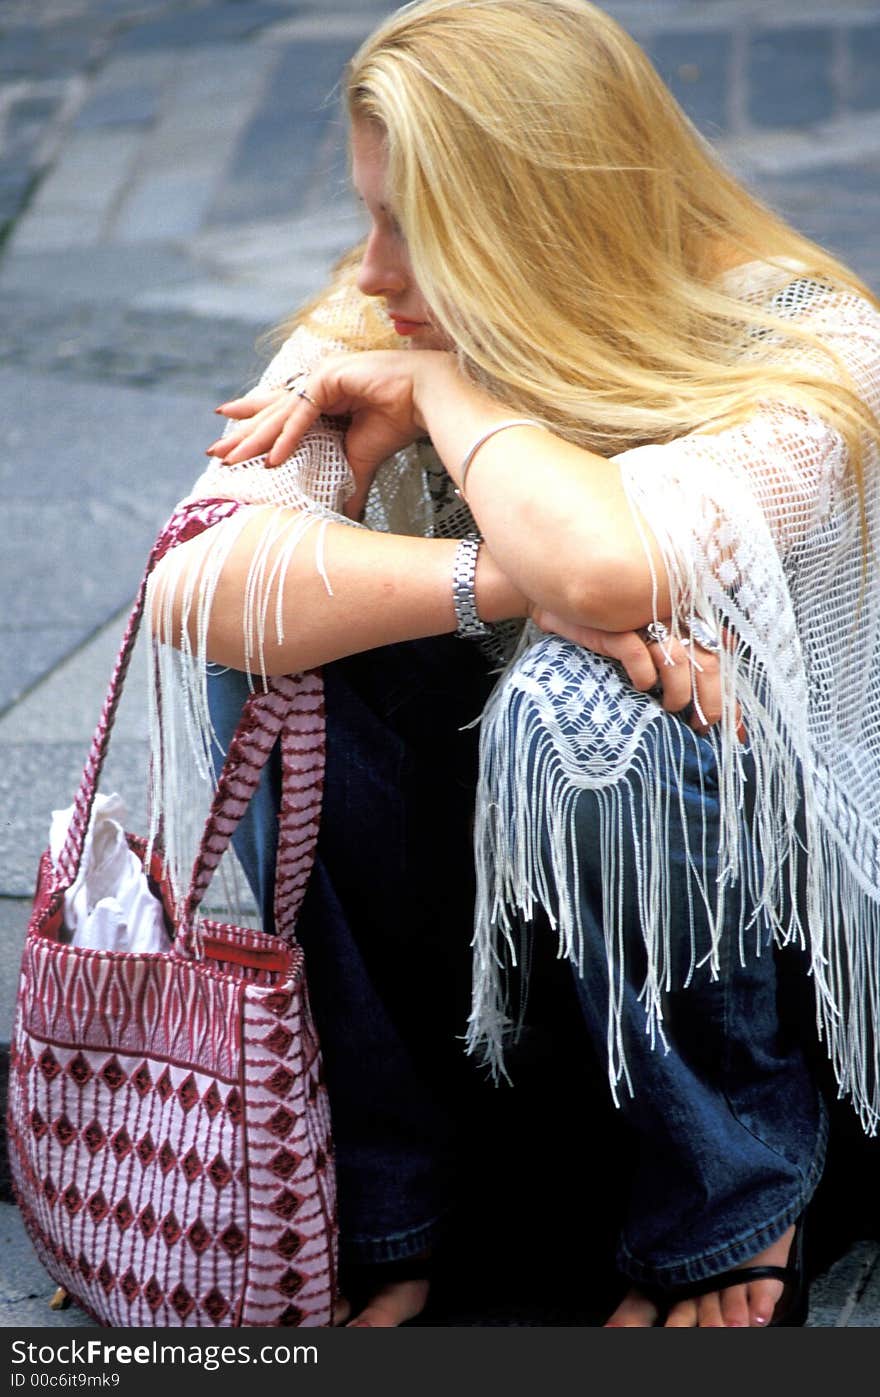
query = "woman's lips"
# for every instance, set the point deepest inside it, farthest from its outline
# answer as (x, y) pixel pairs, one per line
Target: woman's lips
(406, 327)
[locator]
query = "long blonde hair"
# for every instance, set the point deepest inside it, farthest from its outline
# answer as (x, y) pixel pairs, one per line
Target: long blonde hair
(564, 218)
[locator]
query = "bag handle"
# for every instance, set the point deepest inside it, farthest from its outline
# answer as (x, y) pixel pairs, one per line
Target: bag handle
(289, 707)
(264, 716)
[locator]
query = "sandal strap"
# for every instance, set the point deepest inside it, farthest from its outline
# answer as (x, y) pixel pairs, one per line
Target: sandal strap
(743, 1275)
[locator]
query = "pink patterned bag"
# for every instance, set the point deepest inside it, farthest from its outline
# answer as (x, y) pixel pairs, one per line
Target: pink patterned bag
(169, 1129)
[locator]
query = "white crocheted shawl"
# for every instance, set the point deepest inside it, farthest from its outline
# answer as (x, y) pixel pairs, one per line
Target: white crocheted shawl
(759, 530)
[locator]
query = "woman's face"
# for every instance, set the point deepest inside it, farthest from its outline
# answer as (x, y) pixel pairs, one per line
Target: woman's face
(385, 269)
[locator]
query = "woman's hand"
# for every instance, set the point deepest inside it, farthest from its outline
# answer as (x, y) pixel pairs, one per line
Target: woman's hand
(688, 674)
(376, 390)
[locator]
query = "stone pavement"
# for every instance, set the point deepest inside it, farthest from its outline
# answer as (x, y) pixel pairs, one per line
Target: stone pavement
(172, 182)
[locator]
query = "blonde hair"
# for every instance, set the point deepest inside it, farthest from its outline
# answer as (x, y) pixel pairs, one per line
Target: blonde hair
(564, 220)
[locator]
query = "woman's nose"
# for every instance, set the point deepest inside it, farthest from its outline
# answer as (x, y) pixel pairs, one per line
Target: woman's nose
(381, 271)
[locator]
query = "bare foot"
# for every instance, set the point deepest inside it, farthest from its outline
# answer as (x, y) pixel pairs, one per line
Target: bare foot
(390, 1306)
(737, 1307)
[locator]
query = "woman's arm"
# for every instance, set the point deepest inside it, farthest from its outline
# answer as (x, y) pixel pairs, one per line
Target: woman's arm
(385, 588)
(555, 517)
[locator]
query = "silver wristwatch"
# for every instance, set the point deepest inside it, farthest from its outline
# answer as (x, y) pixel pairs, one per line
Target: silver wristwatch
(464, 599)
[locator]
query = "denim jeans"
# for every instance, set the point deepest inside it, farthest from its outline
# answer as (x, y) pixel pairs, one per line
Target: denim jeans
(726, 1129)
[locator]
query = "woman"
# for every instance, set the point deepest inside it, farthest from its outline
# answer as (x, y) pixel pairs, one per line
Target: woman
(655, 404)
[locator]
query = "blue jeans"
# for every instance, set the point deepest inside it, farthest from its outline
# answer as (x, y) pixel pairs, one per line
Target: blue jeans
(726, 1129)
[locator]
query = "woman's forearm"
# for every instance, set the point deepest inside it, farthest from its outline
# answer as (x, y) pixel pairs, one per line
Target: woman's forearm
(386, 588)
(555, 517)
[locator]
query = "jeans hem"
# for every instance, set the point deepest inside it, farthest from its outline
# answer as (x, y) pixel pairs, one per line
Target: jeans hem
(370, 1251)
(740, 1249)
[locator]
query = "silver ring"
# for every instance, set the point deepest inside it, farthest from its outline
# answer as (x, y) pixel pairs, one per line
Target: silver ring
(301, 393)
(655, 633)
(704, 637)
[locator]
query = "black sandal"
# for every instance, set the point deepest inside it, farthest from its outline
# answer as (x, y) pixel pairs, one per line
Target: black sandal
(792, 1306)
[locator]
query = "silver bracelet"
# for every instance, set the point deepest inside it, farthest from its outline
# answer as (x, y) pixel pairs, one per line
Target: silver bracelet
(464, 599)
(475, 446)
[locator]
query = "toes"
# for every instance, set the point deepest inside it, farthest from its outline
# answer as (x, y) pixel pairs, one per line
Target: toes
(684, 1315)
(735, 1307)
(635, 1311)
(393, 1305)
(709, 1315)
(763, 1299)
(341, 1311)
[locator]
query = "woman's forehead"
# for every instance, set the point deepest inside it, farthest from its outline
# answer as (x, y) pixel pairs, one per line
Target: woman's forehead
(369, 160)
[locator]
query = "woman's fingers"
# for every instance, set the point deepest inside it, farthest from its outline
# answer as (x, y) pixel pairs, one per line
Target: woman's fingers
(275, 430)
(238, 408)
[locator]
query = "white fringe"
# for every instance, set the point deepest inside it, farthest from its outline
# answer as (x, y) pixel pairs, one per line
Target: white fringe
(182, 736)
(533, 770)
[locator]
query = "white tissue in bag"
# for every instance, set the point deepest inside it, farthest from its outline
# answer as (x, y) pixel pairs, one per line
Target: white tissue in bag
(109, 907)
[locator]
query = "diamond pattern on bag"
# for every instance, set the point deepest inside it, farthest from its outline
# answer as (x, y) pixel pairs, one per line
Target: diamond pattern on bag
(219, 1172)
(278, 1002)
(145, 1149)
(167, 1157)
(165, 1086)
(148, 1222)
(171, 1229)
(141, 1080)
(80, 1070)
(198, 1237)
(279, 1040)
(106, 1276)
(291, 1317)
(129, 1285)
(64, 1131)
(123, 1214)
(112, 1073)
(50, 1192)
(49, 1064)
(191, 1165)
(188, 1092)
(285, 1163)
(235, 1106)
(215, 1305)
(232, 1240)
(182, 1301)
(281, 1122)
(212, 1103)
(38, 1125)
(94, 1137)
(282, 1081)
(153, 1294)
(72, 1199)
(288, 1245)
(84, 1266)
(98, 1207)
(285, 1204)
(120, 1144)
(290, 1283)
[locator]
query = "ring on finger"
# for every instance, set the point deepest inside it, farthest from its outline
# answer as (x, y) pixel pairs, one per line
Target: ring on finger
(702, 635)
(655, 633)
(291, 385)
